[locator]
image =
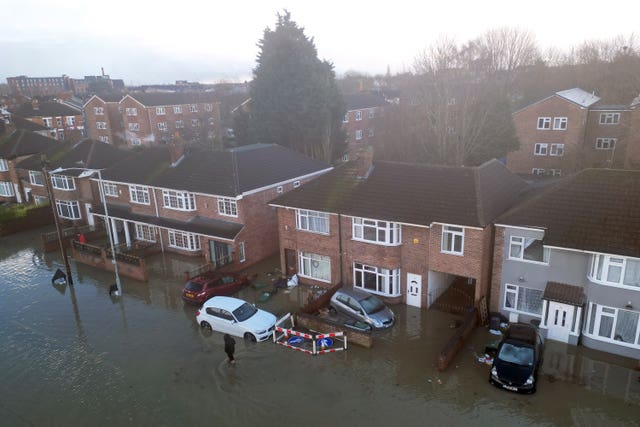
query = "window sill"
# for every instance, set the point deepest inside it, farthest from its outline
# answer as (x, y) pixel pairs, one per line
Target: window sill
(452, 253)
(610, 341)
(528, 261)
(184, 249)
(613, 285)
(178, 209)
(313, 232)
(140, 203)
(377, 243)
(313, 278)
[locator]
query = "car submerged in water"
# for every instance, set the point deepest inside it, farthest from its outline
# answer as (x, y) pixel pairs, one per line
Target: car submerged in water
(200, 288)
(236, 317)
(364, 307)
(519, 355)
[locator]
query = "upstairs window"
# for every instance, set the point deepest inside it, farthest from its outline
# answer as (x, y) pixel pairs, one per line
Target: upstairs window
(98, 111)
(559, 123)
(557, 150)
(452, 240)
(316, 222)
(540, 149)
(180, 200)
(372, 113)
(544, 122)
(358, 116)
(139, 194)
(381, 232)
(177, 109)
(609, 118)
(208, 107)
(615, 270)
(71, 121)
(528, 249)
(62, 182)
(4, 165)
(606, 143)
(193, 108)
(48, 121)
(228, 207)
(160, 111)
(345, 119)
(36, 178)
(134, 126)
(131, 111)
(110, 189)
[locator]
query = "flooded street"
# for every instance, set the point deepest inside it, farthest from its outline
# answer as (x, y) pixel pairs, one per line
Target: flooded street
(75, 356)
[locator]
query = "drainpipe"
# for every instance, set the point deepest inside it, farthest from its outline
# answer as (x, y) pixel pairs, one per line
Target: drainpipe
(340, 248)
(155, 202)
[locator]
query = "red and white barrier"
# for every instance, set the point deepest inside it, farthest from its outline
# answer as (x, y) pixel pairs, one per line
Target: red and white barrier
(282, 336)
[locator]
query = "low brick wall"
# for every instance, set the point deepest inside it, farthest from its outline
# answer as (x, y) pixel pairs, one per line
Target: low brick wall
(98, 257)
(35, 218)
(456, 342)
(325, 325)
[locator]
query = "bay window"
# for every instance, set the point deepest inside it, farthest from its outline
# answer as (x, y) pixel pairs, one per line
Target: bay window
(315, 266)
(316, 222)
(145, 232)
(615, 325)
(615, 270)
(376, 280)
(185, 241)
(371, 230)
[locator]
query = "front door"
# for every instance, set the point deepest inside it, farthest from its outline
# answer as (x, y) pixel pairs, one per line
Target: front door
(414, 289)
(559, 322)
(291, 266)
(90, 220)
(220, 253)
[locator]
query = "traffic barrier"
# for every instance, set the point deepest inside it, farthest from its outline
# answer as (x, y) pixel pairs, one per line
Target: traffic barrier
(312, 344)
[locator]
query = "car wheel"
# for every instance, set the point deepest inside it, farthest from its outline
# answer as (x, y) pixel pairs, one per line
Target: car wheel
(250, 337)
(205, 324)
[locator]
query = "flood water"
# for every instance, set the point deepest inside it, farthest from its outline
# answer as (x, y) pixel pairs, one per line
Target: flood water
(75, 357)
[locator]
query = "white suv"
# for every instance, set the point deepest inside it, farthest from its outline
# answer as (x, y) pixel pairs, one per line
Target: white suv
(236, 317)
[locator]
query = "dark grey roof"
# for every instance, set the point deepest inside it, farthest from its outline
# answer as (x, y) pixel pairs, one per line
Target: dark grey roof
(563, 293)
(414, 194)
(110, 97)
(356, 101)
(24, 124)
(177, 98)
(141, 167)
(199, 225)
(85, 154)
(233, 172)
(595, 210)
(610, 107)
(45, 109)
(23, 143)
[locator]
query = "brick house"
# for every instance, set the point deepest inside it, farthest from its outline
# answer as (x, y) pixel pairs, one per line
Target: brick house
(359, 121)
(104, 119)
(204, 202)
(72, 192)
(20, 145)
(153, 118)
(63, 121)
(402, 231)
(569, 258)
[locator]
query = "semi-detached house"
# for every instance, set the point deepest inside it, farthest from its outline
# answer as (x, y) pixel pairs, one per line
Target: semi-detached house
(569, 258)
(402, 231)
(204, 202)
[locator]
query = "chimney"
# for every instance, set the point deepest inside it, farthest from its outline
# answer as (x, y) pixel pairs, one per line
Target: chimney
(176, 152)
(365, 162)
(34, 104)
(102, 69)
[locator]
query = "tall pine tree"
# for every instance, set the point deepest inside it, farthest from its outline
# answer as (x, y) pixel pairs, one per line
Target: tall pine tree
(295, 101)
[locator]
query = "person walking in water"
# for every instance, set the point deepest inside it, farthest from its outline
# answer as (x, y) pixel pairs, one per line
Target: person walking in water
(229, 347)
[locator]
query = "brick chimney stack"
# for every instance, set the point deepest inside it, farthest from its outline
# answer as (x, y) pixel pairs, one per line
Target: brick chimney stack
(365, 162)
(176, 152)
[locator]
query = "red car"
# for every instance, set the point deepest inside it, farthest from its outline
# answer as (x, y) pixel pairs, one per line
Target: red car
(200, 288)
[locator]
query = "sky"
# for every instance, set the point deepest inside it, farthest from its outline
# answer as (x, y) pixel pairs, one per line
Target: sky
(151, 42)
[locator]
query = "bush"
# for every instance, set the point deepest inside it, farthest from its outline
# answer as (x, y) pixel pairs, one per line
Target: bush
(8, 213)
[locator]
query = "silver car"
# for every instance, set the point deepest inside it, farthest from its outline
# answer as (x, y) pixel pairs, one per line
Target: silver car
(363, 306)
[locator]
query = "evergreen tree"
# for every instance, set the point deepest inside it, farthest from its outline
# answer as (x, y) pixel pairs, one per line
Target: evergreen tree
(295, 101)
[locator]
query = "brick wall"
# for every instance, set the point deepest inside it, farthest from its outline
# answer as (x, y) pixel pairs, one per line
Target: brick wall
(496, 277)
(606, 158)
(141, 118)
(632, 152)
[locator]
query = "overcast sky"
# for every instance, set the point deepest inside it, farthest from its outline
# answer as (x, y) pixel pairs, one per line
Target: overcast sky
(206, 40)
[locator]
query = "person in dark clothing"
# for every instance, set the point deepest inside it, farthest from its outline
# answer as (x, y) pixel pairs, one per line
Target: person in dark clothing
(229, 347)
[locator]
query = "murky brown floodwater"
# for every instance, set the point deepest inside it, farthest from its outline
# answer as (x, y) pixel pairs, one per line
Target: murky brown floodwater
(79, 358)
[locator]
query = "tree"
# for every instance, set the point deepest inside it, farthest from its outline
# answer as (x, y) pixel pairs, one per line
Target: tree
(295, 100)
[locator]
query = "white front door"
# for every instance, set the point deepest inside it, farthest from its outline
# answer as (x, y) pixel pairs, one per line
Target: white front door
(414, 289)
(90, 220)
(559, 322)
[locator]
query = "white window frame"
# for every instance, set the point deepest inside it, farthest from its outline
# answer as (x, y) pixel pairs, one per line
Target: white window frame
(208, 107)
(179, 200)
(98, 111)
(193, 108)
(136, 141)
(386, 279)
(162, 126)
(131, 111)
(63, 182)
(312, 221)
(101, 125)
(358, 115)
(184, 241)
(134, 126)
(195, 123)
(139, 194)
(556, 150)
(544, 123)
(103, 138)
(345, 119)
(177, 109)
(456, 232)
(47, 121)
(68, 209)
(145, 232)
(36, 178)
(372, 113)
(555, 172)
(179, 124)
(520, 241)
(358, 134)
(515, 290)
(560, 123)
(160, 111)
(227, 207)
(6, 189)
(4, 165)
(71, 121)
(391, 231)
(593, 320)
(110, 189)
(606, 143)
(609, 118)
(540, 149)
(296, 184)
(279, 189)
(309, 264)
(600, 268)
(241, 252)
(537, 171)
(59, 122)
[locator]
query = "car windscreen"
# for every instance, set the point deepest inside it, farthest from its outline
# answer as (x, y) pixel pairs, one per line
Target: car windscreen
(516, 354)
(371, 304)
(244, 312)
(192, 286)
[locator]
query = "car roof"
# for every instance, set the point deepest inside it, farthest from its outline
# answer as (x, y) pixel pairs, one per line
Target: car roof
(522, 332)
(356, 293)
(226, 303)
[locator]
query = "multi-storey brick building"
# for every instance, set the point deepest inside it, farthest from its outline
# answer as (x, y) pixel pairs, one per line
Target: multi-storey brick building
(63, 121)
(204, 202)
(359, 121)
(37, 86)
(569, 258)
(402, 231)
(105, 122)
(572, 130)
(154, 118)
